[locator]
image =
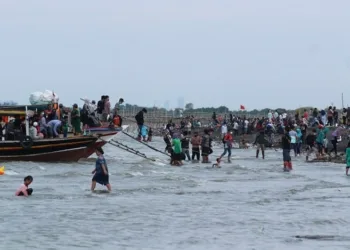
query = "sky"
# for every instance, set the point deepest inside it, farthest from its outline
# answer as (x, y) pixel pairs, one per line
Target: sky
(271, 53)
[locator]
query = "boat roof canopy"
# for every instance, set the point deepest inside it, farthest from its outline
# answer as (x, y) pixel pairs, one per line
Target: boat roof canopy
(20, 109)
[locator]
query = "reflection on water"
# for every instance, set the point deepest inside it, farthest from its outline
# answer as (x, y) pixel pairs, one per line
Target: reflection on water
(249, 204)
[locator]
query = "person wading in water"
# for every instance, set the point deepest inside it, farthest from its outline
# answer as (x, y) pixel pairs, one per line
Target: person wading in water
(227, 140)
(140, 121)
(196, 142)
(260, 142)
(206, 146)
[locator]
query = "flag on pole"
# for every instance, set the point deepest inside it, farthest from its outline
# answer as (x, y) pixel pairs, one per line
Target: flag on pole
(242, 107)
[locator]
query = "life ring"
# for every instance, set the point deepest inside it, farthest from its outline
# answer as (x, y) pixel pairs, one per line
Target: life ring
(26, 142)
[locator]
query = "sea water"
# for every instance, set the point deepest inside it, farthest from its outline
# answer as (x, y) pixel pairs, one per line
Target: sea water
(248, 204)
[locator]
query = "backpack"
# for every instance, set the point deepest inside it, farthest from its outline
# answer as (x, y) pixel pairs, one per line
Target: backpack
(100, 107)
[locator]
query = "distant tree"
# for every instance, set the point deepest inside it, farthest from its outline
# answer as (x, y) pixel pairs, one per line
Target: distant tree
(8, 103)
(189, 106)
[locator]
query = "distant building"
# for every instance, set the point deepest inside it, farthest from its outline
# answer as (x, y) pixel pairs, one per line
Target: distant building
(181, 103)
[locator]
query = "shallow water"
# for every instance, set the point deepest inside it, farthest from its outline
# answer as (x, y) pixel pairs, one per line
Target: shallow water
(249, 204)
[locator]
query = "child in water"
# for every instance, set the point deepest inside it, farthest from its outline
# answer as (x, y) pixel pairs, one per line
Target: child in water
(23, 190)
(100, 172)
(347, 159)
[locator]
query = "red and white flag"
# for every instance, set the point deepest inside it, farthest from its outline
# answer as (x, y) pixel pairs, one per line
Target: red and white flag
(242, 107)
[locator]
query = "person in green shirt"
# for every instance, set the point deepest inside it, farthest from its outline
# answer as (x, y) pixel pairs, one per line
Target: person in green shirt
(65, 127)
(177, 155)
(75, 120)
(347, 159)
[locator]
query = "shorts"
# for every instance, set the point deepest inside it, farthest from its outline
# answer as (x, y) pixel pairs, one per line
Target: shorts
(261, 146)
(29, 191)
(286, 155)
(101, 179)
(177, 157)
(206, 151)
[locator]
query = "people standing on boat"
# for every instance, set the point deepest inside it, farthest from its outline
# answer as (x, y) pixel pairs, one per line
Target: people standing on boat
(65, 127)
(33, 132)
(196, 142)
(75, 120)
(84, 115)
(50, 113)
(227, 140)
(54, 127)
(286, 147)
(100, 172)
(260, 141)
(140, 121)
(185, 144)
(100, 107)
(107, 109)
(43, 125)
(116, 110)
(24, 189)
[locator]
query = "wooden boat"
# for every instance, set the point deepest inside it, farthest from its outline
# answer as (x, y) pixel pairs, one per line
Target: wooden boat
(72, 148)
(48, 150)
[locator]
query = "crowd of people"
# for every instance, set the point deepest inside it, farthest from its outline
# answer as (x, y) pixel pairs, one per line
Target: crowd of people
(292, 128)
(55, 120)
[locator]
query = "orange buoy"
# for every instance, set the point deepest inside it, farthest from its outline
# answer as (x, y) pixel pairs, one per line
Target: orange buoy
(2, 170)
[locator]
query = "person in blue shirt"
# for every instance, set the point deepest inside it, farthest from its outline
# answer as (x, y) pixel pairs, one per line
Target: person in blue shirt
(100, 172)
(299, 141)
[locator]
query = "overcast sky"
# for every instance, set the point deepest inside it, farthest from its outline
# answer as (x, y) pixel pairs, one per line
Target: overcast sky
(269, 53)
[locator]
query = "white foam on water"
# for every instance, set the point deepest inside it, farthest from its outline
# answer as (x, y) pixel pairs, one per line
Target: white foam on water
(136, 174)
(236, 157)
(159, 163)
(10, 172)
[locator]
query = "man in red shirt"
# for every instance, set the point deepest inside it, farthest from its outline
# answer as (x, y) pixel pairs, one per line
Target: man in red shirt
(227, 140)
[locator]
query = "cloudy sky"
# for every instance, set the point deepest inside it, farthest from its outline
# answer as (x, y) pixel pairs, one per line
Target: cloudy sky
(269, 53)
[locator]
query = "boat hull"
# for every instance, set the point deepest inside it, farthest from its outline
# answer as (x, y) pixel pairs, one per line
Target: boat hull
(50, 150)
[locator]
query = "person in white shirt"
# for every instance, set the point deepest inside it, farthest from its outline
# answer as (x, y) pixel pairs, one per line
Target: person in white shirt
(33, 132)
(235, 128)
(246, 124)
(223, 129)
(269, 115)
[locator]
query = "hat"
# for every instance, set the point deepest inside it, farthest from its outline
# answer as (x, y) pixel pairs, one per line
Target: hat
(35, 124)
